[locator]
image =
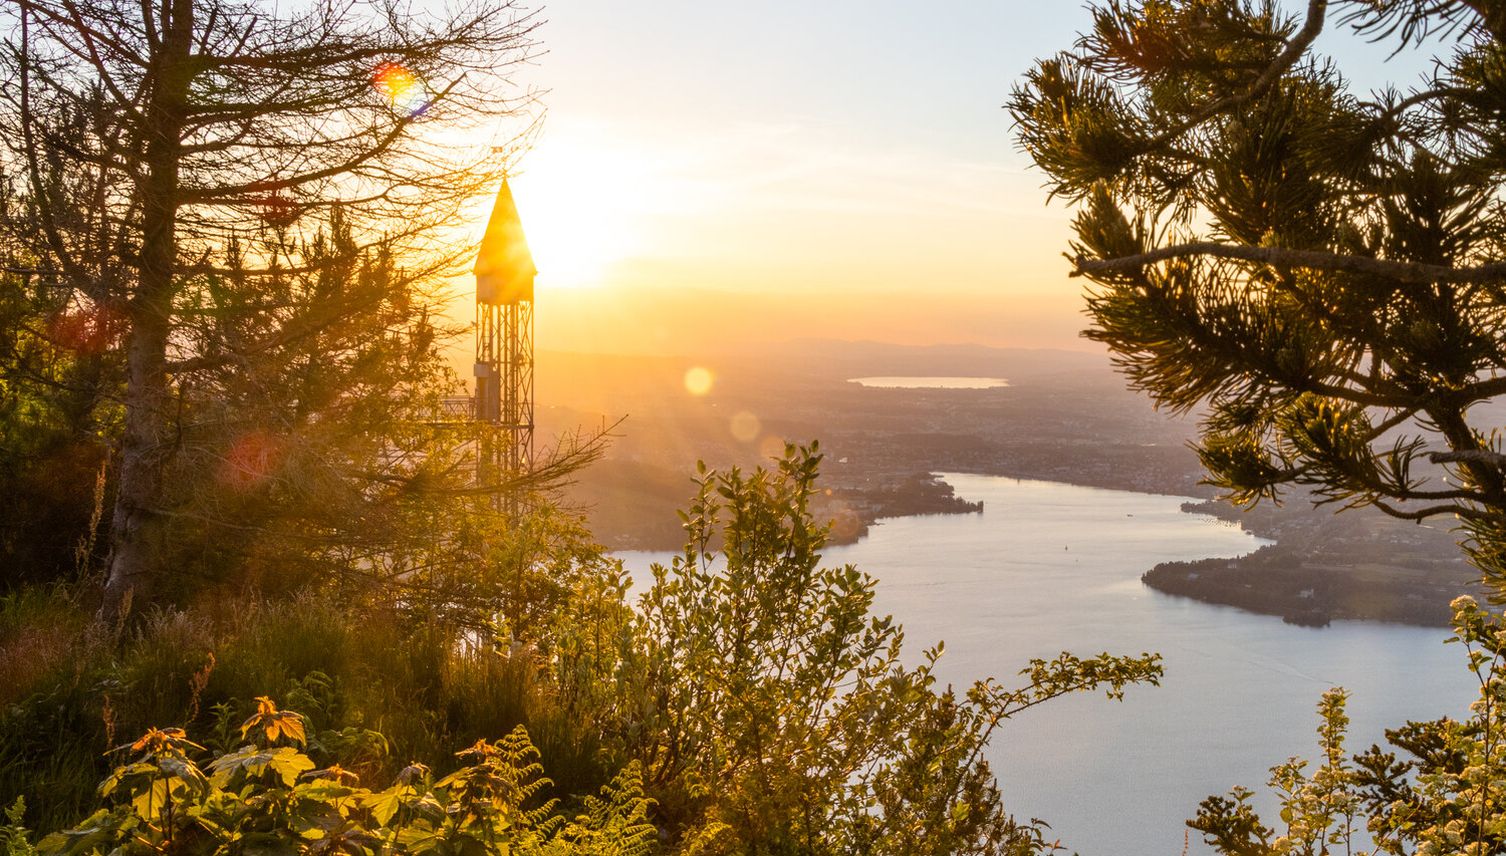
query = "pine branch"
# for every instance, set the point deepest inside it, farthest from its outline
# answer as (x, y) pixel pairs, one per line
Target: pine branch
(1431, 511)
(1312, 26)
(1481, 456)
(1412, 272)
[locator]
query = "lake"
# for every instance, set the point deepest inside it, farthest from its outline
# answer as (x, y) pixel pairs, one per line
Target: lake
(930, 382)
(1050, 567)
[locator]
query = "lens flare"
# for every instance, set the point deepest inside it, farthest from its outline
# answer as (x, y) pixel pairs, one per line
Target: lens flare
(86, 329)
(771, 447)
(745, 427)
(251, 459)
(698, 380)
(402, 89)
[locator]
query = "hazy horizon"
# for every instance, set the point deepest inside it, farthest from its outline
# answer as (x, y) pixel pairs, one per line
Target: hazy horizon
(841, 170)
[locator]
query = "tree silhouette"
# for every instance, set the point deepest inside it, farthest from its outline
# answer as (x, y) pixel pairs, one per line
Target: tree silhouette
(1321, 271)
(177, 165)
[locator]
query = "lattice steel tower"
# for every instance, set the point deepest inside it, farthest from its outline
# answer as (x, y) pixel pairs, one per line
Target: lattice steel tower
(504, 347)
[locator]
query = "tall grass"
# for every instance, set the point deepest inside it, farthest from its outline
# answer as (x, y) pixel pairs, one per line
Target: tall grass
(68, 694)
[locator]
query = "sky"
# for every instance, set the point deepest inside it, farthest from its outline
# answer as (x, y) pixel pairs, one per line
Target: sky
(711, 173)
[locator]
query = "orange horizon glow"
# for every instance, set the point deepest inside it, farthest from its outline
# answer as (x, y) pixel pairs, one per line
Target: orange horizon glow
(642, 236)
(764, 208)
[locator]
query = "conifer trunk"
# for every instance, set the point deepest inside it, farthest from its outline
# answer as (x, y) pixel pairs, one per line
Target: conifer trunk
(135, 564)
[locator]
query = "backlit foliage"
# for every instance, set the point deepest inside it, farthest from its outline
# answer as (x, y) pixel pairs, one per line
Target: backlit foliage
(266, 796)
(1316, 271)
(750, 703)
(1441, 789)
(776, 714)
(214, 192)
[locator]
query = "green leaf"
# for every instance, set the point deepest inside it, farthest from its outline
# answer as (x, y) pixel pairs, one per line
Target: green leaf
(290, 764)
(383, 806)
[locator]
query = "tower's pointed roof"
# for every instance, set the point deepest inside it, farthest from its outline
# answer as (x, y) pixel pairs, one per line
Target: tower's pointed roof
(504, 266)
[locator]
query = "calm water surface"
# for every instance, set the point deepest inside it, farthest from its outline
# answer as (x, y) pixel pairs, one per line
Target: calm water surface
(930, 382)
(1050, 567)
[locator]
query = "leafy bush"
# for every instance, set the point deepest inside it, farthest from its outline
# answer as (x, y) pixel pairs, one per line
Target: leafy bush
(751, 696)
(357, 673)
(776, 715)
(266, 796)
(1445, 793)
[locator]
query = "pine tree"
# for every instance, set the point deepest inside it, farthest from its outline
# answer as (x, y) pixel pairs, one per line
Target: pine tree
(1318, 272)
(172, 166)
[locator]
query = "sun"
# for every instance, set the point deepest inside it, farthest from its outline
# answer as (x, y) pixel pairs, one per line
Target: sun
(582, 203)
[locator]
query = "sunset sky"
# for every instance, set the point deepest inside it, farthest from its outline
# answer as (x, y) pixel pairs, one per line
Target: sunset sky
(717, 173)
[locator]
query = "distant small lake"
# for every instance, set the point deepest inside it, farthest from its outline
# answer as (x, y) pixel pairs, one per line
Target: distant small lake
(930, 382)
(1049, 567)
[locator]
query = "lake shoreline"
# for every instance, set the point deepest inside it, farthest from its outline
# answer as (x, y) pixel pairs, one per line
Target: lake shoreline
(1306, 581)
(1406, 576)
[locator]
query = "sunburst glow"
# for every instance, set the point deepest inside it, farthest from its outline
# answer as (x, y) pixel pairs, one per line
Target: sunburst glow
(585, 203)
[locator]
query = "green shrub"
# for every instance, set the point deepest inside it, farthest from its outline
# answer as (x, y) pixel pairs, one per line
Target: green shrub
(355, 673)
(751, 696)
(775, 715)
(1443, 793)
(266, 796)
(15, 838)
